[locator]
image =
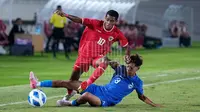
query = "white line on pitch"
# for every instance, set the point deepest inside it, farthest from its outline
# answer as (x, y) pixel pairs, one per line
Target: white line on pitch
(146, 85)
(172, 81)
(15, 103)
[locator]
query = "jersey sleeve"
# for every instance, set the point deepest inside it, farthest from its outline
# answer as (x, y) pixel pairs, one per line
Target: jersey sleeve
(122, 39)
(139, 88)
(91, 23)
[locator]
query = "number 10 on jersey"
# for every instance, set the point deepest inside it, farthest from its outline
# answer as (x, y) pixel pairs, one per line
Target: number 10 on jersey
(101, 41)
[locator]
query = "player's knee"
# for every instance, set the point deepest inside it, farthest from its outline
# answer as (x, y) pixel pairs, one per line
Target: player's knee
(86, 95)
(76, 68)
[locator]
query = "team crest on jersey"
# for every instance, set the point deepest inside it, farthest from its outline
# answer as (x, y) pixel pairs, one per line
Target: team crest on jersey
(110, 38)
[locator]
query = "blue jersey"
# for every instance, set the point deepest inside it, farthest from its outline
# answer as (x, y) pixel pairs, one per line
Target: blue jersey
(121, 85)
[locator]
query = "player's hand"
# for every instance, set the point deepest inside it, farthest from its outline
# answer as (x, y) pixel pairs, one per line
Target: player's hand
(83, 86)
(114, 64)
(127, 59)
(103, 59)
(60, 13)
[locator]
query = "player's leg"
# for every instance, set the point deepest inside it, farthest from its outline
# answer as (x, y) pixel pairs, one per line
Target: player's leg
(88, 97)
(101, 64)
(76, 73)
(66, 47)
(84, 98)
(74, 85)
(48, 42)
(56, 36)
(81, 65)
(55, 46)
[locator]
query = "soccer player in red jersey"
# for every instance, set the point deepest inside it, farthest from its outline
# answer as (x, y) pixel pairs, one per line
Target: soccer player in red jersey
(96, 42)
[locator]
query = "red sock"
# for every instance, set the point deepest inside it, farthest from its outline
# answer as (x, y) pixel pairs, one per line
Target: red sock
(69, 91)
(97, 73)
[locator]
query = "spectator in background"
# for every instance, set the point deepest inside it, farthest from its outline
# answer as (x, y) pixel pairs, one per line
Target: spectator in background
(2, 26)
(137, 24)
(80, 32)
(58, 23)
(174, 29)
(134, 33)
(72, 40)
(124, 28)
(3, 37)
(48, 33)
(17, 28)
(131, 35)
(141, 35)
(143, 30)
(185, 38)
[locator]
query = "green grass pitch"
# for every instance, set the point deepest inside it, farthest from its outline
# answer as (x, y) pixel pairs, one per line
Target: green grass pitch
(171, 77)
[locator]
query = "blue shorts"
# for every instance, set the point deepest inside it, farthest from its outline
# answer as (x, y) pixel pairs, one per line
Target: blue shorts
(99, 92)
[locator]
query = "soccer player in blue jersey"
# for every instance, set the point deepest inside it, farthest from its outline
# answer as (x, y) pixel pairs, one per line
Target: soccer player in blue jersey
(124, 81)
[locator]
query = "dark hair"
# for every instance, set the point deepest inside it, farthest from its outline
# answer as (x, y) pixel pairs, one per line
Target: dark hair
(59, 7)
(113, 13)
(137, 59)
(18, 19)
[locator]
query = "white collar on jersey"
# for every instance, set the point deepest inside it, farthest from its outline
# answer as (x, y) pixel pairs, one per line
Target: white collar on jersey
(108, 30)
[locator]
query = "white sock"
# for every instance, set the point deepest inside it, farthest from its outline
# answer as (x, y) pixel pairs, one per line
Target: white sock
(38, 84)
(70, 102)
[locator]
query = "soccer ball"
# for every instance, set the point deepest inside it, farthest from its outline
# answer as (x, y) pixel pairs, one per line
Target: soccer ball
(37, 98)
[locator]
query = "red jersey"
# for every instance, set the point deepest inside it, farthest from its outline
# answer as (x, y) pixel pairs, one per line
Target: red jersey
(96, 40)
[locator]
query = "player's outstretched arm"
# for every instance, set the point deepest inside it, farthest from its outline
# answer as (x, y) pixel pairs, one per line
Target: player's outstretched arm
(71, 17)
(113, 64)
(74, 18)
(127, 58)
(148, 101)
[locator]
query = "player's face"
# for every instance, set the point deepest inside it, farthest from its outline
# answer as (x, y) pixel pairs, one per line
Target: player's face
(131, 69)
(109, 22)
(19, 22)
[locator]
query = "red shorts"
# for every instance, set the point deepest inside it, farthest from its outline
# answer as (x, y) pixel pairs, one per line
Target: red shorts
(83, 63)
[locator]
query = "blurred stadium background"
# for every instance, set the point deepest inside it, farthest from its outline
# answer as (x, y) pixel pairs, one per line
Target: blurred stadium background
(154, 29)
(156, 18)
